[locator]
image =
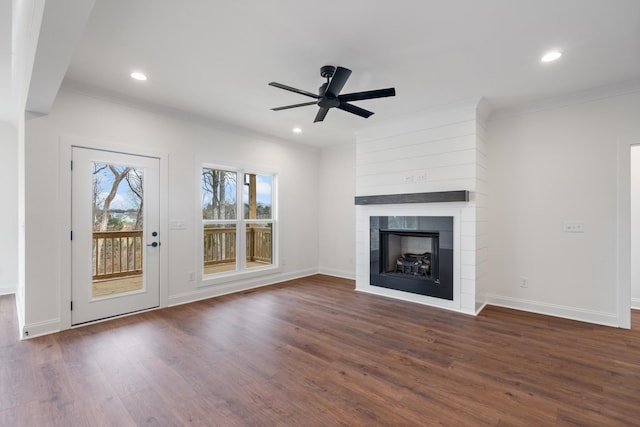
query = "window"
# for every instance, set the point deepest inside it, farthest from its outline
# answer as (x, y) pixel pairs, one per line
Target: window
(233, 242)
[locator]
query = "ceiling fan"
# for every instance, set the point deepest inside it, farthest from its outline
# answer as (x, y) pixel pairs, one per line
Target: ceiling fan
(329, 94)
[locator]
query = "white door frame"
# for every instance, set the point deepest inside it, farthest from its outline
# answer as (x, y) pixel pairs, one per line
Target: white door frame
(64, 214)
(623, 279)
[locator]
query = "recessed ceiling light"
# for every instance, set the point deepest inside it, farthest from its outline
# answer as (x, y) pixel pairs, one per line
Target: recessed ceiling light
(551, 56)
(296, 130)
(138, 76)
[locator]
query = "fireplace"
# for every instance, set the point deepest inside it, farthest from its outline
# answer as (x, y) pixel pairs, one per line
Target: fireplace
(412, 254)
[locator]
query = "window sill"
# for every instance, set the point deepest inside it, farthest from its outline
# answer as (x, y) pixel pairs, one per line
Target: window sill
(236, 276)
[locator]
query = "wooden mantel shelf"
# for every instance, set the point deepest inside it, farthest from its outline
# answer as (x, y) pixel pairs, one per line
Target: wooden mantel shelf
(433, 197)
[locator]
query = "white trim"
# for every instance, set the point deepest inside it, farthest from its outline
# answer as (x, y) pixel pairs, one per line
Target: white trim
(344, 274)
(635, 303)
(232, 276)
(20, 311)
(572, 313)
(623, 255)
(8, 289)
(65, 144)
(241, 272)
(581, 97)
(37, 329)
(43, 328)
(230, 288)
(363, 214)
(480, 306)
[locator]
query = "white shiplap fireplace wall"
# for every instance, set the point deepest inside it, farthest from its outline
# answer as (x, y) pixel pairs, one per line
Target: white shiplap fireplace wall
(443, 150)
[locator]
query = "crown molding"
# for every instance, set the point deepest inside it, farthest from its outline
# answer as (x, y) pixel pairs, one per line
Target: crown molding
(581, 97)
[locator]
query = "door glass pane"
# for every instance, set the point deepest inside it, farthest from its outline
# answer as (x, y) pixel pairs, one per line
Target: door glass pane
(218, 194)
(118, 203)
(257, 196)
(219, 248)
(259, 245)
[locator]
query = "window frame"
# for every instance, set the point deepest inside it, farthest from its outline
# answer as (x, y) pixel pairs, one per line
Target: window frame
(241, 271)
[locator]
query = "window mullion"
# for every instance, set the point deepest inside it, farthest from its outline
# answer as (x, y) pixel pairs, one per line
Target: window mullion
(241, 236)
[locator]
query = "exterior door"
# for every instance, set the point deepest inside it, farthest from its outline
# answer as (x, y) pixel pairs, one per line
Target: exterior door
(115, 241)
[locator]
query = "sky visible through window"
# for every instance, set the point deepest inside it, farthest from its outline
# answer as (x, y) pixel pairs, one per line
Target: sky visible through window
(263, 190)
(264, 187)
(124, 200)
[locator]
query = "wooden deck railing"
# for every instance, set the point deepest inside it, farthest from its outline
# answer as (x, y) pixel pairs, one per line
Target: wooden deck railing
(259, 244)
(117, 254)
(120, 253)
(220, 245)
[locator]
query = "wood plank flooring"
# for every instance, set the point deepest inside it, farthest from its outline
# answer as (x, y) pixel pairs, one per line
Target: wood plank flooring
(313, 352)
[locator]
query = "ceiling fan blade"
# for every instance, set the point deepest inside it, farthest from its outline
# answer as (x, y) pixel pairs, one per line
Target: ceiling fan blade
(338, 81)
(355, 110)
(322, 113)
(293, 89)
(369, 94)
(304, 104)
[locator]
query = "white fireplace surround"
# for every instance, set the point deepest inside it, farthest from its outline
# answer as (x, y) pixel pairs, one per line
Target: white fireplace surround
(435, 153)
(363, 214)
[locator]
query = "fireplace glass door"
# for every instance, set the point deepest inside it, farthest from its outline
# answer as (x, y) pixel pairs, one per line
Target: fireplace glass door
(412, 254)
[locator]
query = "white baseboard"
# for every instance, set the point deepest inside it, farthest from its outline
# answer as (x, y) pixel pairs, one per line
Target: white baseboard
(635, 303)
(20, 311)
(8, 289)
(573, 313)
(344, 274)
(32, 330)
(480, 307)
(230, 288)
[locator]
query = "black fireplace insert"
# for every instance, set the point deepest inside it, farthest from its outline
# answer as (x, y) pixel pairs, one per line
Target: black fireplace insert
(412, 254)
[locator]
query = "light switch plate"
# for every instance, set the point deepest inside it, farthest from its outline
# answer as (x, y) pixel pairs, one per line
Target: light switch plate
(573, 227)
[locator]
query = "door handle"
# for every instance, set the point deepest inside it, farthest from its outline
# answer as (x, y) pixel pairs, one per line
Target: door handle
(154, 244)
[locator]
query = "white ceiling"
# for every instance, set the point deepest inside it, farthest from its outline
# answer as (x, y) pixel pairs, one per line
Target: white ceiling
(215, 58)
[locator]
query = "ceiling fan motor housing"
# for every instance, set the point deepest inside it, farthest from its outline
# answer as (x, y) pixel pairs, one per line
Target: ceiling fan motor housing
(327, 71)
(326, 101)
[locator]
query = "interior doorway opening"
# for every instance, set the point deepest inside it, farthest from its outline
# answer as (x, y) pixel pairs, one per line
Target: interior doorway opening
(634, 186)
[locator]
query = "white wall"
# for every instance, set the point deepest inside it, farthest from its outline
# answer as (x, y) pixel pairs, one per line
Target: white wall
(9, 210)
(548, 167)
(336, 210)
(185, 141)
(635, 226)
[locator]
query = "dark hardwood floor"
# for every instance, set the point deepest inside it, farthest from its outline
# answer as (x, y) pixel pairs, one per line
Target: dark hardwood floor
(313, 352)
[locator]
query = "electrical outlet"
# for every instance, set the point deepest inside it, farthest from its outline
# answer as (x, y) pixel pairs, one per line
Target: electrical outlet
(192, 276)
(573, 227)
(524, 282)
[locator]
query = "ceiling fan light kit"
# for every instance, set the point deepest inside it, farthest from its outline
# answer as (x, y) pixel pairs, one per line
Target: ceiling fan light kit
(329, 94)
